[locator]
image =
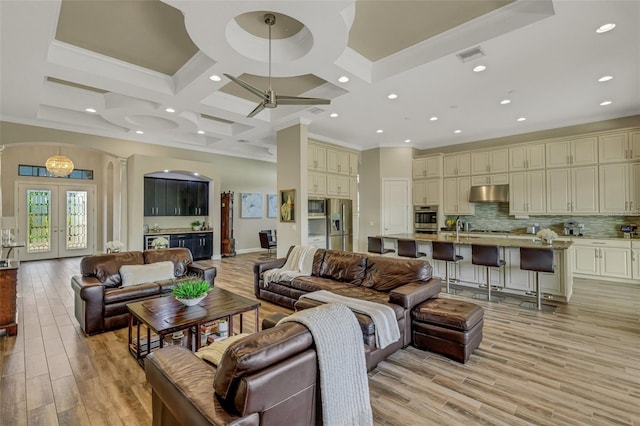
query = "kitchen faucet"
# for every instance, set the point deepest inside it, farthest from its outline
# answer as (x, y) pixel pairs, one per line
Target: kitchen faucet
(458, 226)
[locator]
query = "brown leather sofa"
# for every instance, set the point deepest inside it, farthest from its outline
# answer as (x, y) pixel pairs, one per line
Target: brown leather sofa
(99, 298)
(267, 378)
(398, 283)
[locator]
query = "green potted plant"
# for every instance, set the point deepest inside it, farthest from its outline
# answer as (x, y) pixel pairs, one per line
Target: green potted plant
(192, 291)
(196, 225)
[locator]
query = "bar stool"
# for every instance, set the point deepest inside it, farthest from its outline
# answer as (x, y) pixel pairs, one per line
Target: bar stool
(409, 248)
(376, 245)
(445, 251)
(488, 256)
(536, 260)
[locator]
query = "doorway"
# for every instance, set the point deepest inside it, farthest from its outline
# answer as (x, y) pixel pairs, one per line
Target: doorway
(395, 206)
(56, 220)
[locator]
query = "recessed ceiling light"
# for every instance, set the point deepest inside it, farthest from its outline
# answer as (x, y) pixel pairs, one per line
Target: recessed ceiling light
(343, 79)
(201, 132)
(457, 131)
(90, 109)
(392, 96)
(170, 110)
(479, 68)
(215, 78)
(196, 174)
(166, 171)
(605, 28)
(407, 141)
(333, 115)
(605, 103)
(434, 118)
(605, 78)
(379, 131)
(140, 132)
(505, 101)
(521, 119)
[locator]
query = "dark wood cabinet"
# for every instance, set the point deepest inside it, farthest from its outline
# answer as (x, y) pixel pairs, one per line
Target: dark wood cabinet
(227, 243)
(155, 197)
(200, 244)
(172, 197)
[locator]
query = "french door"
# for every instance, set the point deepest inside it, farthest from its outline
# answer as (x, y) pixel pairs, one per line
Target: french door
(56, 220)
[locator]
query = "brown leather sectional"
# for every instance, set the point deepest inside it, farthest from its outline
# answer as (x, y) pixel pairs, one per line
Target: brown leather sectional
(399, 283)
(99, 298)
(267, 378)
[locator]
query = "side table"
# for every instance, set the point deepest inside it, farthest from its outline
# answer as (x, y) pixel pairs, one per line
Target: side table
(8, 302)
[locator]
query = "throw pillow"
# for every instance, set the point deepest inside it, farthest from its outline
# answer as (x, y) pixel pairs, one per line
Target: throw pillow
(213, 352)
(151, 272)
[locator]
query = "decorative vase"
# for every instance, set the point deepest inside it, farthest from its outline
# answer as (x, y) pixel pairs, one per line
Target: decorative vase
(197, 228)
(191, 302)
(159, 247)
(548, 241)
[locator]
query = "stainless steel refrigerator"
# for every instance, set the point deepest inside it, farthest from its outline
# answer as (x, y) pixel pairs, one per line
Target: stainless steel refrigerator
(339, 224)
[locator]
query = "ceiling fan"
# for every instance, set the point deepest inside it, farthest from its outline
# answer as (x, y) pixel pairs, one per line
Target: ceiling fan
(269, 98)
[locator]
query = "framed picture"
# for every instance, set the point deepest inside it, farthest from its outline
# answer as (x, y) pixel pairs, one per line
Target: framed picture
(287, 205)
(251, 205)
(272, 205)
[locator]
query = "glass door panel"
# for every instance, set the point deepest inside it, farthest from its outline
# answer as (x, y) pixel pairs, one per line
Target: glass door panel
(38, 221)
(76, 220)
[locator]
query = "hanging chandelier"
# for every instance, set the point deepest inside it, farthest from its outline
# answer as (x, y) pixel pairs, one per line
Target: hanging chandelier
(59, 165)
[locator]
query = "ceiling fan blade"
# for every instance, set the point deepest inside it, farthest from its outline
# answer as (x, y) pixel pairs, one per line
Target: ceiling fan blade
(297, 100)
(246, 86)
(256, 110)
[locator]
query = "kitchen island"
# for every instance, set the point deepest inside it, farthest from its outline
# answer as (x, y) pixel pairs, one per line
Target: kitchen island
(509, 279)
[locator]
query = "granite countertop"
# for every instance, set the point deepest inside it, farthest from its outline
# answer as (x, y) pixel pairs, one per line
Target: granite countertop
(485, 240)
(166, 231)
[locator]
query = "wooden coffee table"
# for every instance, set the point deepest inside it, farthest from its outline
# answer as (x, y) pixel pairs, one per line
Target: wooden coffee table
(165, 315)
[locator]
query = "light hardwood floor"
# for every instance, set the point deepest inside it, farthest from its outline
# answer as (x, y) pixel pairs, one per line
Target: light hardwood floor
(579, 365)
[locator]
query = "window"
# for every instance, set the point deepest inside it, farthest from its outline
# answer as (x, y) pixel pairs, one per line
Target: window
(41, 171)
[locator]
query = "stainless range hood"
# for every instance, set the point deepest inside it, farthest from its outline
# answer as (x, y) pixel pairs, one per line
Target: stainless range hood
(489, 194)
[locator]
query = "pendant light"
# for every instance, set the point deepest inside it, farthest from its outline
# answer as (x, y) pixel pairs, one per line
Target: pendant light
(59, 165)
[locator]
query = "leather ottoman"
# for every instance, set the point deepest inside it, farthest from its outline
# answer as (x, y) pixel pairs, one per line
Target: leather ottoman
(448, 327)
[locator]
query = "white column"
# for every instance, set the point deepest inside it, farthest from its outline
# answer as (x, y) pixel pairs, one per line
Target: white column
(1, 149)
(120, 204)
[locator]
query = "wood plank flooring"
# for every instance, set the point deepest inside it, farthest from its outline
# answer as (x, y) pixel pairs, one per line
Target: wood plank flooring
(577, 366)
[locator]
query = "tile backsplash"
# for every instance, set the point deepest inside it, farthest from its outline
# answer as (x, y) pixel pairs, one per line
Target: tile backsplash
(495, 216)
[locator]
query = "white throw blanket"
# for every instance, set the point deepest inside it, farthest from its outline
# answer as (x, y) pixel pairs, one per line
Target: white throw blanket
(383, 317)
(344, 385)
(299, 263)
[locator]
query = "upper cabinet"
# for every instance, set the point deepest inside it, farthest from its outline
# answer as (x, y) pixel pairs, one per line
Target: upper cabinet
(485, 162)
(527, 157)
(574, 152)
(353, 164)
(171, 197)
(427, 167)
(618, 147)
(317, 157)
(457, 165)
(337, 161)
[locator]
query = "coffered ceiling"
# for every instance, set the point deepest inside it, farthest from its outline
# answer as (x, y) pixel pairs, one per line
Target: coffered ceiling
(145, 68)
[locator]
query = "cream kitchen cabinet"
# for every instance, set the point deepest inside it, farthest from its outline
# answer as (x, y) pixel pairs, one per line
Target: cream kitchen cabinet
(427, 191)
(574, 152)
(456, 196)
(603, 258)
(572, 190)
(316, 158)
(497, 179)
(338, 186)
(635, 260)
(484, 162)
(457, 165)
(634, 145)
(527, 193)
(615, 147)
(427, 167)
(527, 157)
(353, 194)
(620, 188)
(317, 183)
(353, 164)
(337, 161)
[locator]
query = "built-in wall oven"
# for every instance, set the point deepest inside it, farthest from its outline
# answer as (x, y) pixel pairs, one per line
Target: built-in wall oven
(425, 219)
